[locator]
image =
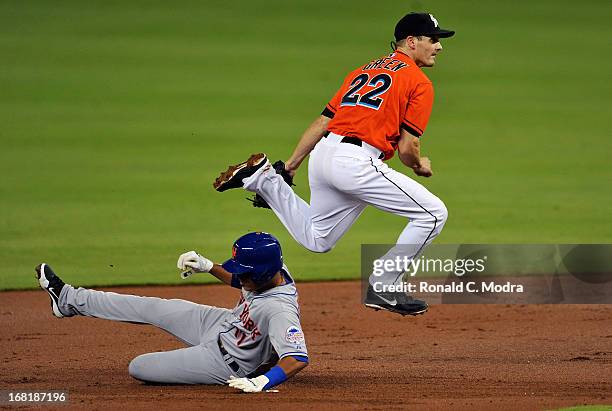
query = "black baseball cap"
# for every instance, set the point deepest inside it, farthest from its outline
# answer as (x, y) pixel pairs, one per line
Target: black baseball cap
(419, 24)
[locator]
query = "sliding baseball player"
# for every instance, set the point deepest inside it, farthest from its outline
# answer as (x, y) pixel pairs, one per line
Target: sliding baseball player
(255, 346)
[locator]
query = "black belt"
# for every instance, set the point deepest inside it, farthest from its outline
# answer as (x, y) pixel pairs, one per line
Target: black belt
(352, 140)
(227, 358)
(357, 142)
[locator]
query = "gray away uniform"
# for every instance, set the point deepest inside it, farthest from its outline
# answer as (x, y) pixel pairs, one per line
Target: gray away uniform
(244, 341)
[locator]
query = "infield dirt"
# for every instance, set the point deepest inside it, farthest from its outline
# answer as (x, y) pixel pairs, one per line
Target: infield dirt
(453, 357)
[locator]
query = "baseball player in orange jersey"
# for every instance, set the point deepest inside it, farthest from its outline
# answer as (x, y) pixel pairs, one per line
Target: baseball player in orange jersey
(382, 107)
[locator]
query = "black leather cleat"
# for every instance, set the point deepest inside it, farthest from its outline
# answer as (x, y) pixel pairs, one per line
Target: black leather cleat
(399, 303)
(52, 284)
(233, 176)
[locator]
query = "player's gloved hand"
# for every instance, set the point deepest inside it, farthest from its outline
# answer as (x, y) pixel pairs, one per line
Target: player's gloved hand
(279, 168)
(191, 262)
(248, 384)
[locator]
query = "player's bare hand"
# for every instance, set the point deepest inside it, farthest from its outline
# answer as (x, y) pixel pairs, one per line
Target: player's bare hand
(248, 384)
(290, 168)
(191, 262)
(425, 169)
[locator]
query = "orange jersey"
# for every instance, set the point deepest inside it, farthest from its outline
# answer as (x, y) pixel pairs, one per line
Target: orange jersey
(378, 99)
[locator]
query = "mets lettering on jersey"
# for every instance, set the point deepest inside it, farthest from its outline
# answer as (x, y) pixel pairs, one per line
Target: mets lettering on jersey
(248, 325)
(266, 325)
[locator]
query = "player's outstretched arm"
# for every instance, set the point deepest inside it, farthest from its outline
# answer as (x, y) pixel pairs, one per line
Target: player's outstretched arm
(409, 152)
(309, 139)
(192, 262)
(291, 365)
(286, 368)
(222, 274)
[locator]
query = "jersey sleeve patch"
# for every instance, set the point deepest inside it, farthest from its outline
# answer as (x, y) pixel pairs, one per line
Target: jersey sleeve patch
(294, 335)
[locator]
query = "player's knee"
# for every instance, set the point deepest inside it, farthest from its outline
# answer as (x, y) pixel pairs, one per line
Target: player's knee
(441, 213)
(321, 248)
(437, 214)
(319, 245)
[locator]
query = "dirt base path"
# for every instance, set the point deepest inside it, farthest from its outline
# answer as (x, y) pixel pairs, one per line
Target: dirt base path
(453, 357)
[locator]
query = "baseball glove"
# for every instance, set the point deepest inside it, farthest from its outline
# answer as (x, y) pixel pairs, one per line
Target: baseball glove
(279, 167)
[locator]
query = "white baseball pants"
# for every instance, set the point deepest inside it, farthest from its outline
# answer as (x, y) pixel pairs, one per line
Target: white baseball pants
(344, 179)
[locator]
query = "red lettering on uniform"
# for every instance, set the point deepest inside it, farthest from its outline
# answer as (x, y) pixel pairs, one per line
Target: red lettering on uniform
(255, 334)
(245, 314)
(249, 324)
(241, 337)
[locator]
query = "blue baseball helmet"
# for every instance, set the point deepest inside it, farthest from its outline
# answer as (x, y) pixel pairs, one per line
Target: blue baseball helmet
(258, 254)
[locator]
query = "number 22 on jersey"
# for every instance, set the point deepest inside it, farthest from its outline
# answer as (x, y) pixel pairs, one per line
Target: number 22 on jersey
(371, 99)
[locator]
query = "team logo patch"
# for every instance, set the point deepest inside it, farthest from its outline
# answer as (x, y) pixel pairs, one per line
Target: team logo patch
(294, 335)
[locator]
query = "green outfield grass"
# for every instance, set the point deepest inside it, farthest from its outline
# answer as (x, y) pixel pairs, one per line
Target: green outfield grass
(115, 118)
(587, 408)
